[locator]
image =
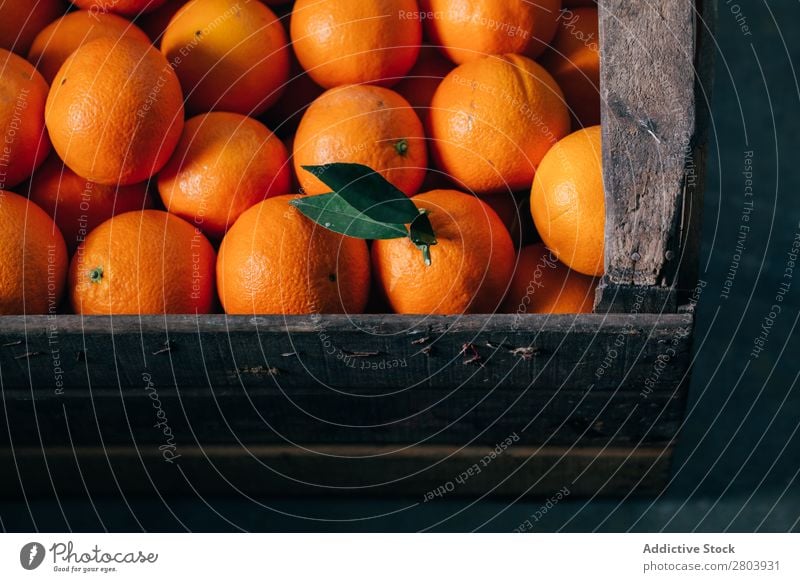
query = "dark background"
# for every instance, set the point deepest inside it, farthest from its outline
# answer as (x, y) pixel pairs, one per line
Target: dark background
(738, 457)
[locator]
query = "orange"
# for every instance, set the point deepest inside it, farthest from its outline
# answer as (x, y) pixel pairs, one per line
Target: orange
(230, 55)
(143, 262)
(423, 79)
(574, 62)
(33, 258)
(124, 7)
(115, 111)
(466, 30)
(340, 42)
(362, 124)
(275, 260)
(471, 264)
(21, 21)
(568, 201)
(542, 284)
(23, 139)
(224, 164)
(77, 205)
(492, 121)
(59, 39)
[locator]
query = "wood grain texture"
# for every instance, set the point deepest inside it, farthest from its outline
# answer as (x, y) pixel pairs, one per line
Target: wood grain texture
(650, 131)
(341, 470)
(591, 379)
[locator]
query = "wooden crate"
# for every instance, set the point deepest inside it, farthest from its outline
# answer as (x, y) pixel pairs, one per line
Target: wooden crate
(379, 404)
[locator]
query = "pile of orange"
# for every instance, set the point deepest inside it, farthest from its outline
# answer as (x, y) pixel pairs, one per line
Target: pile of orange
(151, 150)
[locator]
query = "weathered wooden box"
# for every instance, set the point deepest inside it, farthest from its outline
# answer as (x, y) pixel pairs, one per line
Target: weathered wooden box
(406, 405)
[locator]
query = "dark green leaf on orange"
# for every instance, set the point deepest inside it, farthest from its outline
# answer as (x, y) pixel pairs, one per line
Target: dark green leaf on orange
(367, 191)
(333, 212)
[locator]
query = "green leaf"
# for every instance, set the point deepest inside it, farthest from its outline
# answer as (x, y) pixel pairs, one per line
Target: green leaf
(421, 234)
(331, 211)
(366, 190)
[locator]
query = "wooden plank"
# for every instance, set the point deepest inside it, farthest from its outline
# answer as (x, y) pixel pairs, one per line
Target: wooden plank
(593, 379)
(650, 128)
(413, 472)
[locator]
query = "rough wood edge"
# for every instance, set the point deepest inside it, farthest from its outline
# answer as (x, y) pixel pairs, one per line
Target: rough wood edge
(643, 76)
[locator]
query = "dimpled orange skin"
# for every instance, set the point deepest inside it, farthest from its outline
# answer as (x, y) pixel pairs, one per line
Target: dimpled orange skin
(466, 30)
(115, 111)
(143, 262)
(568, 203)
(224, 164)
(33, 258)
(362, 124)
(240, 60)
(61, 38)
(124, 7)
(492, 121)
(21, 21)
(24, 143)
(79, 206)
(471, 264)
(542, 284)
(275, 260)
(342, 42)
(574, 62)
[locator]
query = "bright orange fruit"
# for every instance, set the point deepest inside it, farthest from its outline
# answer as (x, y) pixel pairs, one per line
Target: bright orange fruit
(224, 164)
(275, 260)
(342, 42)
(229, 55)
(124, 7)
(33, 258)
(143, 262)
(466, 30)
(568, 201)
(492, 121)
(471, 264)
(115, 111)
(25, 144)
(362, 124)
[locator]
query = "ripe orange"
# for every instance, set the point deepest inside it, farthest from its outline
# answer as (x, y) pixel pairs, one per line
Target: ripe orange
(59, 39)
(423, 79)
(77, 205)
(229, 55)
(466, 30)
(125, 7)
(224, 164)
(340, 42)
(33, 258)
(21, 21)
(492, 121)
(23, 93)
(143, 262)
(542, 284)
(574, 62)
(275, 260)
(471, 264)
(362, 124)
(568, 201)
(115, 111)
